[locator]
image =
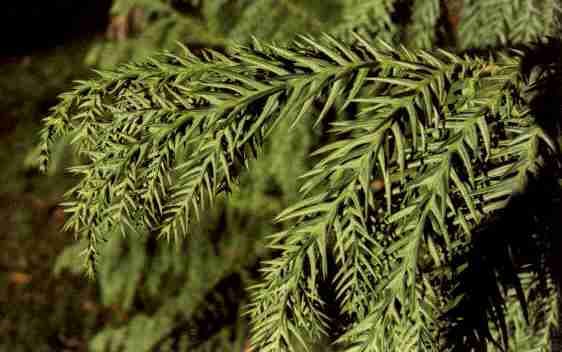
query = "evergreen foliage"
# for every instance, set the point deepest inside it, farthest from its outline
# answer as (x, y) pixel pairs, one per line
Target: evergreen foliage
(444, 256)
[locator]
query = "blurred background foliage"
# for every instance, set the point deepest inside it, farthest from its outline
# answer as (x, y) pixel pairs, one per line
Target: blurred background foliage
(38, 311)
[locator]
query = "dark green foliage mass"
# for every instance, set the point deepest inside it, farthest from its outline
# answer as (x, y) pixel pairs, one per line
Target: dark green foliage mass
(453, 252)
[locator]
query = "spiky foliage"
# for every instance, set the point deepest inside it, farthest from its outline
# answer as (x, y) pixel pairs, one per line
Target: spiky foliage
(455, 139)
(182, 291)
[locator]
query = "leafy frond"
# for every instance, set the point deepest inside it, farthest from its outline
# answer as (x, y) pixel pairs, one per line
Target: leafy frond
(453, 140)
(192, 123)
(450, 153)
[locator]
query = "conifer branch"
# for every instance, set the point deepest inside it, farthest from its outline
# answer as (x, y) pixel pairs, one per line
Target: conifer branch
(453, 139)
(394, 243)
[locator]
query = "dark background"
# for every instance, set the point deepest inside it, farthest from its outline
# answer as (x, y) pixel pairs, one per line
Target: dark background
(42, 48)
(27, 26)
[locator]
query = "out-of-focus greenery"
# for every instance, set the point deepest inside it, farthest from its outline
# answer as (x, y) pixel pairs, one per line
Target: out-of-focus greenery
(141, 27)
(38, 312)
